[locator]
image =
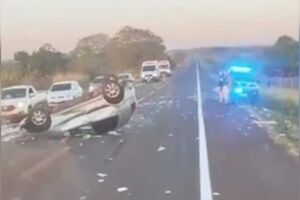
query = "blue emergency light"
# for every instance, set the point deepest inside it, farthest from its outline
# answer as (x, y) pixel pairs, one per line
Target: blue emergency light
(238, 90)
(240, 69)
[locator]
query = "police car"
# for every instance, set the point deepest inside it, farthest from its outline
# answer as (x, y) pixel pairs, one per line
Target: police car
(244, 84)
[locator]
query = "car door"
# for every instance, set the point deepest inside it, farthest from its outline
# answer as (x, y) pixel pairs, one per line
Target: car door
(32, 97)
(77, 89)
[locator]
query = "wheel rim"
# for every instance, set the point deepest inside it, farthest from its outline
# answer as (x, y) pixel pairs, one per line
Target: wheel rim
(112, 90)
(39, 117)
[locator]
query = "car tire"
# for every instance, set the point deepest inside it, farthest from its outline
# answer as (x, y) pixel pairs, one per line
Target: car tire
(113, 92)
(38, 120)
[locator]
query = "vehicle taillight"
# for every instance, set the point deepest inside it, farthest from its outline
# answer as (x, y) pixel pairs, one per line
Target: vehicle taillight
(8, 108)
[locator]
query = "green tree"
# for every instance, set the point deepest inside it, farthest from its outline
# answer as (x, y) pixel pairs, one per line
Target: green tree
(48, 61)
(130, 46)
(283, 57)
(23, 58)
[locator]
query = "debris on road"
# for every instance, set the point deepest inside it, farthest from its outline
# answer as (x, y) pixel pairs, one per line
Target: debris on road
(82, 198)
(102, 175)
(170, 135)
(216, 194)
(115, 133)
(122, 189)
(100, 180)
(161, 148)
(67, 134)
(272, 122)
(86, 137)
(168, 192)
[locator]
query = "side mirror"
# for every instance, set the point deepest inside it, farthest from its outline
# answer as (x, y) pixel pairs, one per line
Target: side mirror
(31, 95)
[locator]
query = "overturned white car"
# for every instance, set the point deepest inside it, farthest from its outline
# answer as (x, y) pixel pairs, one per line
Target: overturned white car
(107, 111)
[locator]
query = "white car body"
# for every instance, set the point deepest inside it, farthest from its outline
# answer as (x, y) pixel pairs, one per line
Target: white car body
(64, 91)
(164, 67)
(96, 112)
(18, 106)
(150, 71)
(126, 77)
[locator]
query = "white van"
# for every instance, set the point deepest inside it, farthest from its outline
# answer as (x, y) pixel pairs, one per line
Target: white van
(150, 71)
(165, 67)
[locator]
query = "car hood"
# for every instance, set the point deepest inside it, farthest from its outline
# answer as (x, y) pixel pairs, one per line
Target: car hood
(5, 102)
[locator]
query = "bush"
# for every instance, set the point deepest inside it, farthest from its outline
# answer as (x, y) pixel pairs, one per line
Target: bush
(12, 75)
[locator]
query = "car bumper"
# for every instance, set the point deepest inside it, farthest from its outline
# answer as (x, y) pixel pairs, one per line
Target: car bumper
(150, 78)
(14, 117)
(53, 102)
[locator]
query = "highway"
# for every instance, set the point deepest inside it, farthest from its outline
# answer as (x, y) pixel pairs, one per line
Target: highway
(180, 144)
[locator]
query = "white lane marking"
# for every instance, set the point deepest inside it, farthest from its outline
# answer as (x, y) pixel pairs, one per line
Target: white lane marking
(205, 181)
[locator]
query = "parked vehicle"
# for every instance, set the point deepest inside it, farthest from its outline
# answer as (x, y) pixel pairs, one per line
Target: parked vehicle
(95, 86)
(103, 113)
(64, 91)
(150, 71)
(18, 101)
(164, 67)
(244, 84)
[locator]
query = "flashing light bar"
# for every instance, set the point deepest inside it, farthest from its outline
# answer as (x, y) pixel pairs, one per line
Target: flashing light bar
(241, 69)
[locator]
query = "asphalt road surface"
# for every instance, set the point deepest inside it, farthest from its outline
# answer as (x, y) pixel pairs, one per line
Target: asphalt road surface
(164, 152)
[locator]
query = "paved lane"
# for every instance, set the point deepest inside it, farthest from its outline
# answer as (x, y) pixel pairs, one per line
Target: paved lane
(155, 156)
(244, 162)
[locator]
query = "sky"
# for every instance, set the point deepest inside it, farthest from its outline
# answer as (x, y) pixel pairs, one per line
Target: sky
(28, 24)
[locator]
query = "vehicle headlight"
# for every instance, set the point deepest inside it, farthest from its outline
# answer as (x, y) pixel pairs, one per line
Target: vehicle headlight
(20, 104)
(91, 88)
(238, 90)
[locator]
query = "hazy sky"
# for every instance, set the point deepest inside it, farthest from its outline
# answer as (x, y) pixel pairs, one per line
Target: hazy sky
(27, 24)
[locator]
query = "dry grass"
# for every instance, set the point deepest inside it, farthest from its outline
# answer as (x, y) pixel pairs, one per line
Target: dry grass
(283, 94)
(83, 79)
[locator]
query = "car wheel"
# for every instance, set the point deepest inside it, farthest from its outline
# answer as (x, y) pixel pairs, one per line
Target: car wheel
(38, 120)
(113, 92)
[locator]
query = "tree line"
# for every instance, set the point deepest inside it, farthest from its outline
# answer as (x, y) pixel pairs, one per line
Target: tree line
(282, 59)
(94, 55)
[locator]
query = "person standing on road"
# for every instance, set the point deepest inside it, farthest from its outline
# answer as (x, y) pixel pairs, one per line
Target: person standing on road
(223, 88)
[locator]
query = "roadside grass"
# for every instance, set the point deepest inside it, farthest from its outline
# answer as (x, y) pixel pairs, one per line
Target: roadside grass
(284, 104)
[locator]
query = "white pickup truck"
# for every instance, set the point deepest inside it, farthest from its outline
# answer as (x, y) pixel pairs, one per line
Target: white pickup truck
(18, 101)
